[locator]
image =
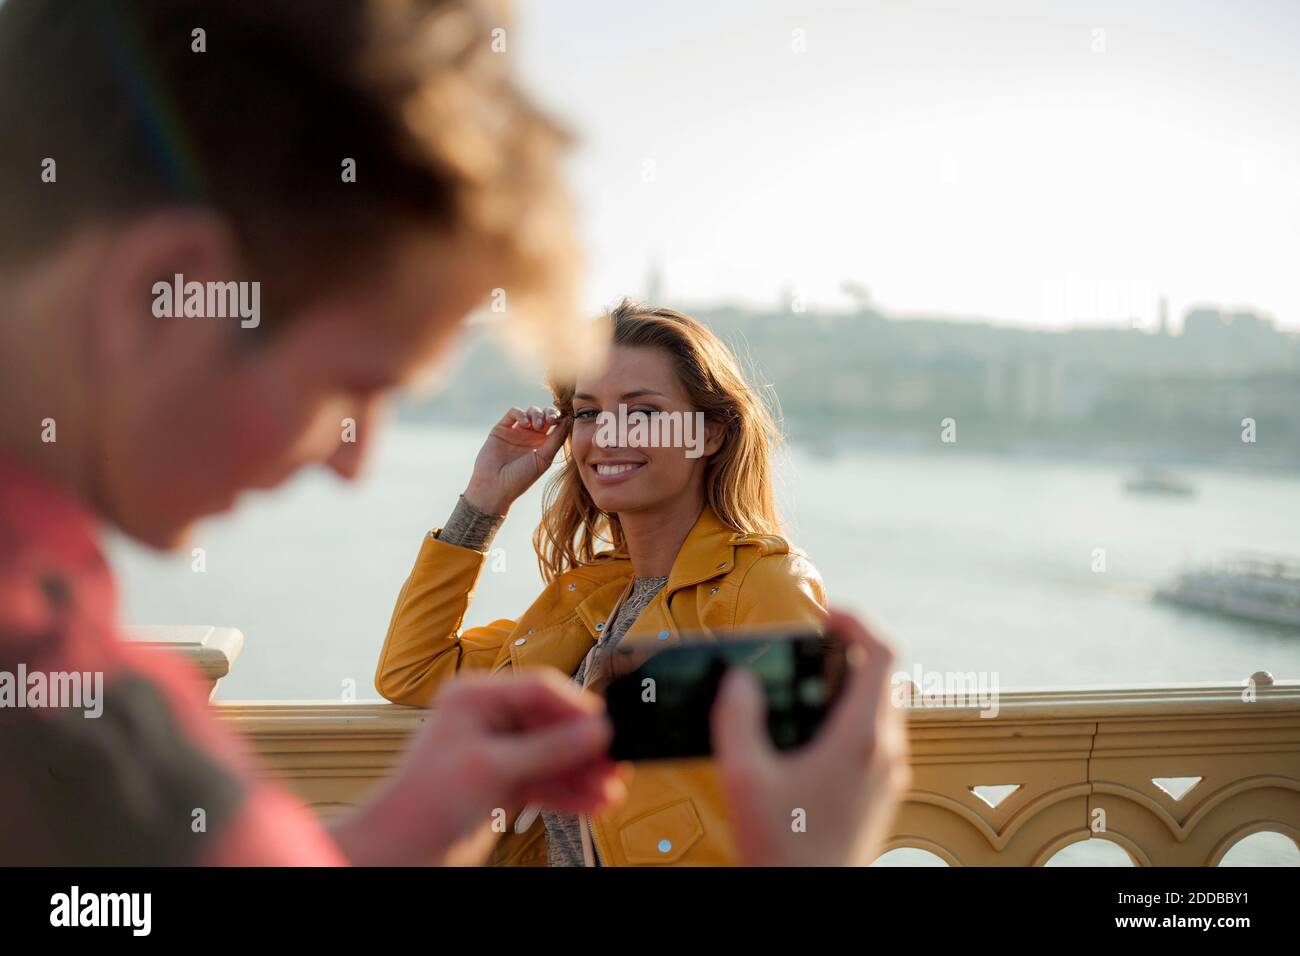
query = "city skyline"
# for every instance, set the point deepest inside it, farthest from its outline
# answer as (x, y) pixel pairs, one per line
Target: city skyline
(1165, 320)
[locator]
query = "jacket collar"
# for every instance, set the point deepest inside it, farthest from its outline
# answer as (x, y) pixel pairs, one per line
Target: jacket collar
(708, 551)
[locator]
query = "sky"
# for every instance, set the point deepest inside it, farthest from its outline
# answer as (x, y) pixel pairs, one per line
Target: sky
(1032, 163)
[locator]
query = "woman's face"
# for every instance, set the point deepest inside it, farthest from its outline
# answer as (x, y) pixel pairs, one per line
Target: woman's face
(654, 449)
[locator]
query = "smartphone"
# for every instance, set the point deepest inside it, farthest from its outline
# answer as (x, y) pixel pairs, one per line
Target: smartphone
(661, 700)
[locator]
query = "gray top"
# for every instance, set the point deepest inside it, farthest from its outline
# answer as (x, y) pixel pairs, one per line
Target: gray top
(563, 831)
(468, 527)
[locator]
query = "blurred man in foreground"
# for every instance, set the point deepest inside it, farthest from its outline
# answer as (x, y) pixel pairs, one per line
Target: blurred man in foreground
(328, 189)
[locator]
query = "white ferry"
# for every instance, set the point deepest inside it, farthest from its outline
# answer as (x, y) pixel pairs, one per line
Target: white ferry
(1254, 587)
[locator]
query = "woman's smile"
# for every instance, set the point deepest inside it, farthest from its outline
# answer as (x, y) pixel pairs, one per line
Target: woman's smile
(612, 472)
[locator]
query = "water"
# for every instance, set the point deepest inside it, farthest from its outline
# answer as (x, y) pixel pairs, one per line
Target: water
(968, 562)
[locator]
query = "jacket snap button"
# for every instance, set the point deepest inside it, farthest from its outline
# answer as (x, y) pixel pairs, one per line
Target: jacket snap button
(600, 626)
(665, 846)
(573, 587)
(530, 630)
(722, 565)
(713, 590)
(520, 642)
(663, 635)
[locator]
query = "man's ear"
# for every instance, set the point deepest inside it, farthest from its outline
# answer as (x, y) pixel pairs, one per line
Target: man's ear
(155, 249)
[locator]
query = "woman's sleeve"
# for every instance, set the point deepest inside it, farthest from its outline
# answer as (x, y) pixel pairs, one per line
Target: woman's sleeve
(425, 645)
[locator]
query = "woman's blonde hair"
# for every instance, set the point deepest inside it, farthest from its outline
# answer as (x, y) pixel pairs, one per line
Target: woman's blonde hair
(738, 476)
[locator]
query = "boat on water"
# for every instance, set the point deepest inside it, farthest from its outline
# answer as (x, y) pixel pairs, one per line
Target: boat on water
(1153, 481)
(1253, 587)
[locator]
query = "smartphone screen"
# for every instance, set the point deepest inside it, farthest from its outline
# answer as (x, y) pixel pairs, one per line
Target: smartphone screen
(661, 701)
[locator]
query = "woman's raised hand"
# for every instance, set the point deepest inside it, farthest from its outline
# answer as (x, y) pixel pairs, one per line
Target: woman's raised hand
(518, 450)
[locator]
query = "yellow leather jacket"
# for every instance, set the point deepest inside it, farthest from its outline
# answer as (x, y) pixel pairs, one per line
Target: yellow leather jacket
(675, 812)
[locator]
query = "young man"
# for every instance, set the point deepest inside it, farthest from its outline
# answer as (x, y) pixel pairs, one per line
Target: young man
(228, 229)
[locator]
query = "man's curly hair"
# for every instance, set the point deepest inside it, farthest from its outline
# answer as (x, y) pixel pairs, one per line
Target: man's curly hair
(257, 126)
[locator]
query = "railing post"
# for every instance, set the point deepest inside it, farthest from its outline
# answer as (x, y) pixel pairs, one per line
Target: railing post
(210, 652)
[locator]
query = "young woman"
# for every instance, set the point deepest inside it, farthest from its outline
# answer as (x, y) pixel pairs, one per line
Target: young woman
(693, 548)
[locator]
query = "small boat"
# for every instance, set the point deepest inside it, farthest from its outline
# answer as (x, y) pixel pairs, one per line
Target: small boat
(1151, 481)
(1252, 587)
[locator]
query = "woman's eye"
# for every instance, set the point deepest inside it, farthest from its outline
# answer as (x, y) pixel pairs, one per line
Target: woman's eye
(584, 414)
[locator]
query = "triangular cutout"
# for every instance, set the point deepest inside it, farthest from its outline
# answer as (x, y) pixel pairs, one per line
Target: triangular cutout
(993, 795)
(1176, 787)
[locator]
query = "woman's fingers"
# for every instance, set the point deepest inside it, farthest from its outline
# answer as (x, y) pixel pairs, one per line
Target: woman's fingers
(530, 419)
(554, 440)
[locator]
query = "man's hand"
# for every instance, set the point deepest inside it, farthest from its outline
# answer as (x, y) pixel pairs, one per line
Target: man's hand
(847, 781)
(491, 743)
